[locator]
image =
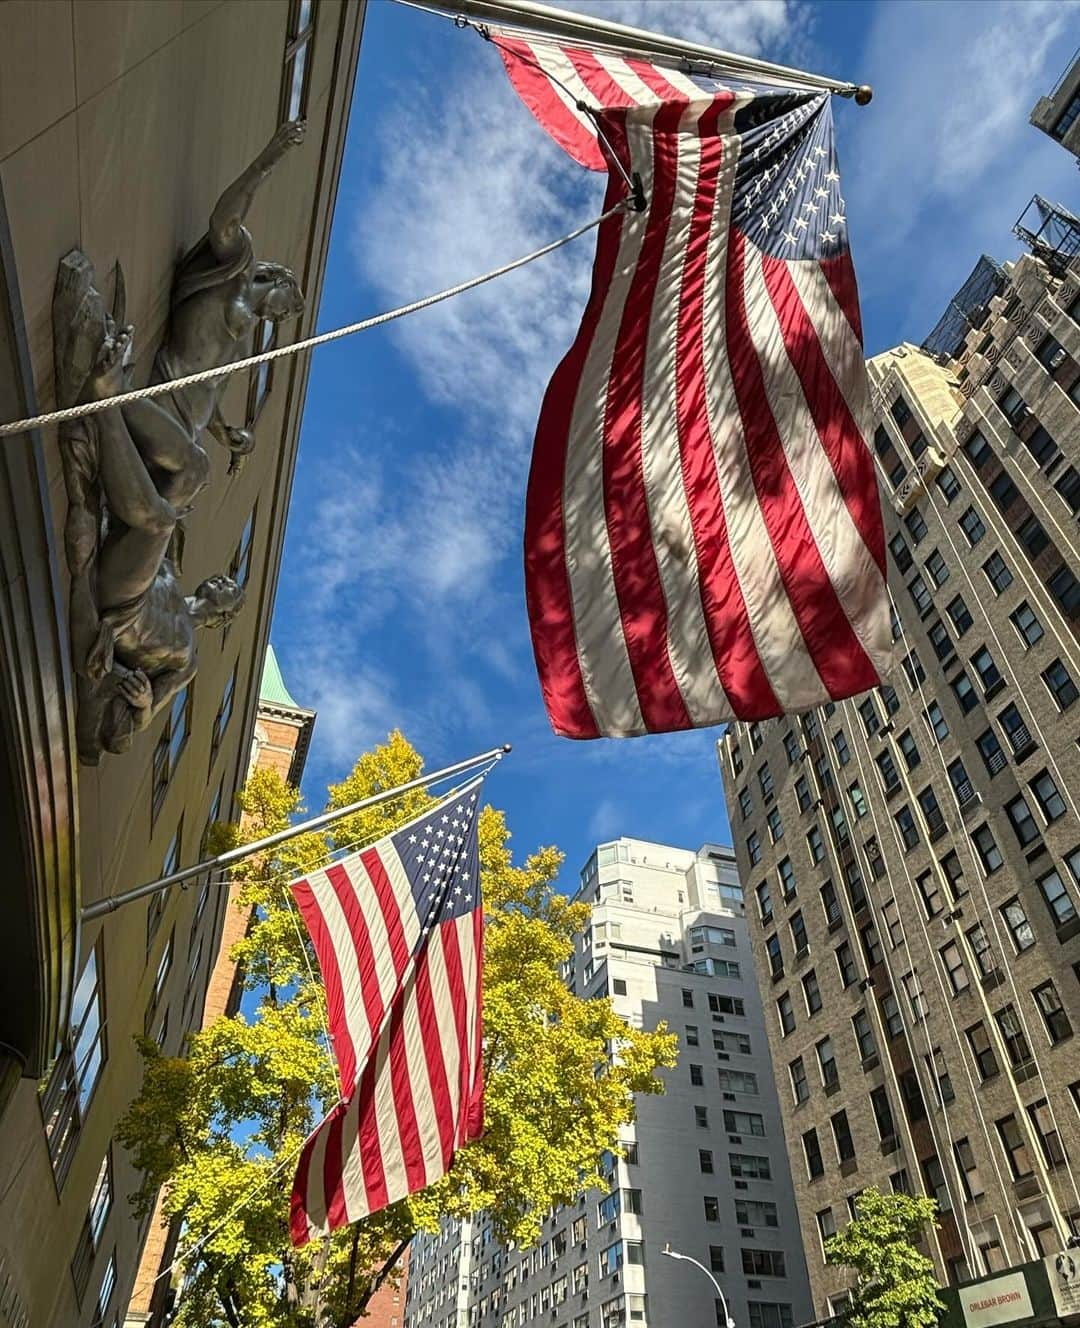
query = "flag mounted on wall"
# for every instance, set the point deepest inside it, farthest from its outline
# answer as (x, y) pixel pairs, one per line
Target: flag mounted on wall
(398, 932)
(703, 535)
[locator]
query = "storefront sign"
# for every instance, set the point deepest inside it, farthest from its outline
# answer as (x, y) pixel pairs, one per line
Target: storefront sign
(1063, 1274)
(998, 1300)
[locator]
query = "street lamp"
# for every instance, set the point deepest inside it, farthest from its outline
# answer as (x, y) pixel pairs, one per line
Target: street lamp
(675, 1254)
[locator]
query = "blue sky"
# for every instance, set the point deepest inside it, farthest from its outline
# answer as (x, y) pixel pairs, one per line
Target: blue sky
(401, 600)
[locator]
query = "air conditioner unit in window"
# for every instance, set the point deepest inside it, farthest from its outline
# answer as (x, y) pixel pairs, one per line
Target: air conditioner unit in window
(729, 1097)
(1057, 358)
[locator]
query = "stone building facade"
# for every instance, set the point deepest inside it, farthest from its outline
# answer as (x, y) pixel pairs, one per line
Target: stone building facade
(120, 126)
(917, 849)
(704, 1166)
(1059, 113)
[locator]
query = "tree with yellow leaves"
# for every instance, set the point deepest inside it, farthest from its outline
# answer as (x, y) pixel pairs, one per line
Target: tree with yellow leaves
(220, 1128)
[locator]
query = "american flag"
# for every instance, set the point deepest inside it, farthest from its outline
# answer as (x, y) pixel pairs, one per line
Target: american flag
(398, 933)
(703, 532)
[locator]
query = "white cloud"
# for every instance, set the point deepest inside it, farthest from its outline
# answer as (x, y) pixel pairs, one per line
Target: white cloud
(606, 821)
(354, 703)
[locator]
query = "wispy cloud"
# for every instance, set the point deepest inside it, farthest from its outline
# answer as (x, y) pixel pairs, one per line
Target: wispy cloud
(607, 820)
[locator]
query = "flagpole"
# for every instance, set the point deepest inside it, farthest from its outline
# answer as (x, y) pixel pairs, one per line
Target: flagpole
(564, 23)
(234, 855)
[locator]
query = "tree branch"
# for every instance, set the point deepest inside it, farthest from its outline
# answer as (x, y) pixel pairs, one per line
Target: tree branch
(352, 1313)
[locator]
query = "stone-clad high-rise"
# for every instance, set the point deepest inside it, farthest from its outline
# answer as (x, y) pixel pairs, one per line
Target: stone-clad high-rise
(912, 856)
(705, 1167)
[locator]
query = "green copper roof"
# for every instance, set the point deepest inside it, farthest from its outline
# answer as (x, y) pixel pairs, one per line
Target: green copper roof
(273, 687)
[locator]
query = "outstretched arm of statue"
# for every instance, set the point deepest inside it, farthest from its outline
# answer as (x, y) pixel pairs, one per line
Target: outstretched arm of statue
(232, 206)
(240, 442)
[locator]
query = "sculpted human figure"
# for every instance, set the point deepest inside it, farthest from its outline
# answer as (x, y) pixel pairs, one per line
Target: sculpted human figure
(220, 293)
(133, 472)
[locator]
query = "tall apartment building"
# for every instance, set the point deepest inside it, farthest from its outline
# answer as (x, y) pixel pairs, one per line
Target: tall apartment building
(1059, 113)
(912, 856)
(705, 1166)
(121, 125)
(281, 741)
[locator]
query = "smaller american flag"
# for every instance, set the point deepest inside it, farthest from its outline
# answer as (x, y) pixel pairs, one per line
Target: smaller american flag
(398, 933)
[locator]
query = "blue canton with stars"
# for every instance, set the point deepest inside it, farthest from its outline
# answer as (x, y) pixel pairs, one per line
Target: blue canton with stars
(441, 856)
(786, 195)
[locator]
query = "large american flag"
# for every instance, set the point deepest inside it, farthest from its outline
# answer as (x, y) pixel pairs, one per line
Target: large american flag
(703, 530)
(398, 933)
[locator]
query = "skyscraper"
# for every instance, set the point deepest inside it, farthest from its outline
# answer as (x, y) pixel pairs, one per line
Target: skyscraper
(918, 848)
(1058, 114)
(705, 1166)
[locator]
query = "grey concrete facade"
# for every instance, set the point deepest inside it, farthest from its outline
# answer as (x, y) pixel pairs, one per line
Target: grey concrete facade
(120, 124)
(1059, 113)
(923, 855)
(705, 1166)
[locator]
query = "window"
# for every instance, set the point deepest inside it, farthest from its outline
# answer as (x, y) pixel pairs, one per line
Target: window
(815, 1163)
(716, 1258)
(920, 595)
(1057, 898)
(954, 873)
(978, 450)
(1023, 823)
(890, 1015)
(913, 670)
(964, 693)
(953, 963)
(909, 749)
(987, 849)
(969, 1172)
(958, 611)
(948, 484)
(160, 979)
(982, 1051)
(870, 719)
(1012, 1033)
(753, 848)
(936, 721)
(755, 737)
(1027, 624)
(755, 1213)
(224, 714)
(890, 780)
(726, 1004)
(916, 1000)
(764, 901)
(961, 784)
(749, 1166)
(1032, 537)
(891, 914)
(746, 803)
(791, 747)
(736, 759)
(972, 526)
(1023, 938)
(938, 1072)
(171, 744)
(1015, 1149)
(864, 1034)
(691, 1038)
(812, 993)
(74, 1077)
(937, 568)
(1047, 796)
(1060, 684)
(892, 701)
(873, 856)
(155, 909)
(106, 1289)
(845, 961)
(843, 751)
(1012, 405)
(786, 1011)
(990, 749)
(845, 1145)
(765, 779)
(101, 1200)
(687, 999)
(802, 793)
(1042, 447)
(936, 1184)
(906, 824)
(987, 670)
(776, 828)
(701, 1117)
(744, 1122)
(1065, 589)
(297, 60)
(916, 525)
(900, 411)
(983, 951)
(897, 474)
(940, 639)
(697, 1078)
(260, 380)
(1068, 486)
(800, 1085)
(763, 1263)
(1053, 1012)
(824, 772)
(830, 903)
(900, 552)
(1042, 1121)
(712, 1208)
(927, 885)
(815, 844)
(798, 932)
(997, 572)
(830, 1076)
(871, 945)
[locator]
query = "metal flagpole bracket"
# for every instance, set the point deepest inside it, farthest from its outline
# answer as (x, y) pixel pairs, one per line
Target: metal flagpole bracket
(234, 855)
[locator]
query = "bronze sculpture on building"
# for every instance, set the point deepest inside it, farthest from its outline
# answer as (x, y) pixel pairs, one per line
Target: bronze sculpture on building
(132, 473)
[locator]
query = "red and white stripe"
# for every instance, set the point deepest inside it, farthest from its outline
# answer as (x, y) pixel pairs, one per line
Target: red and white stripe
(418, 1099)
(703, 530)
